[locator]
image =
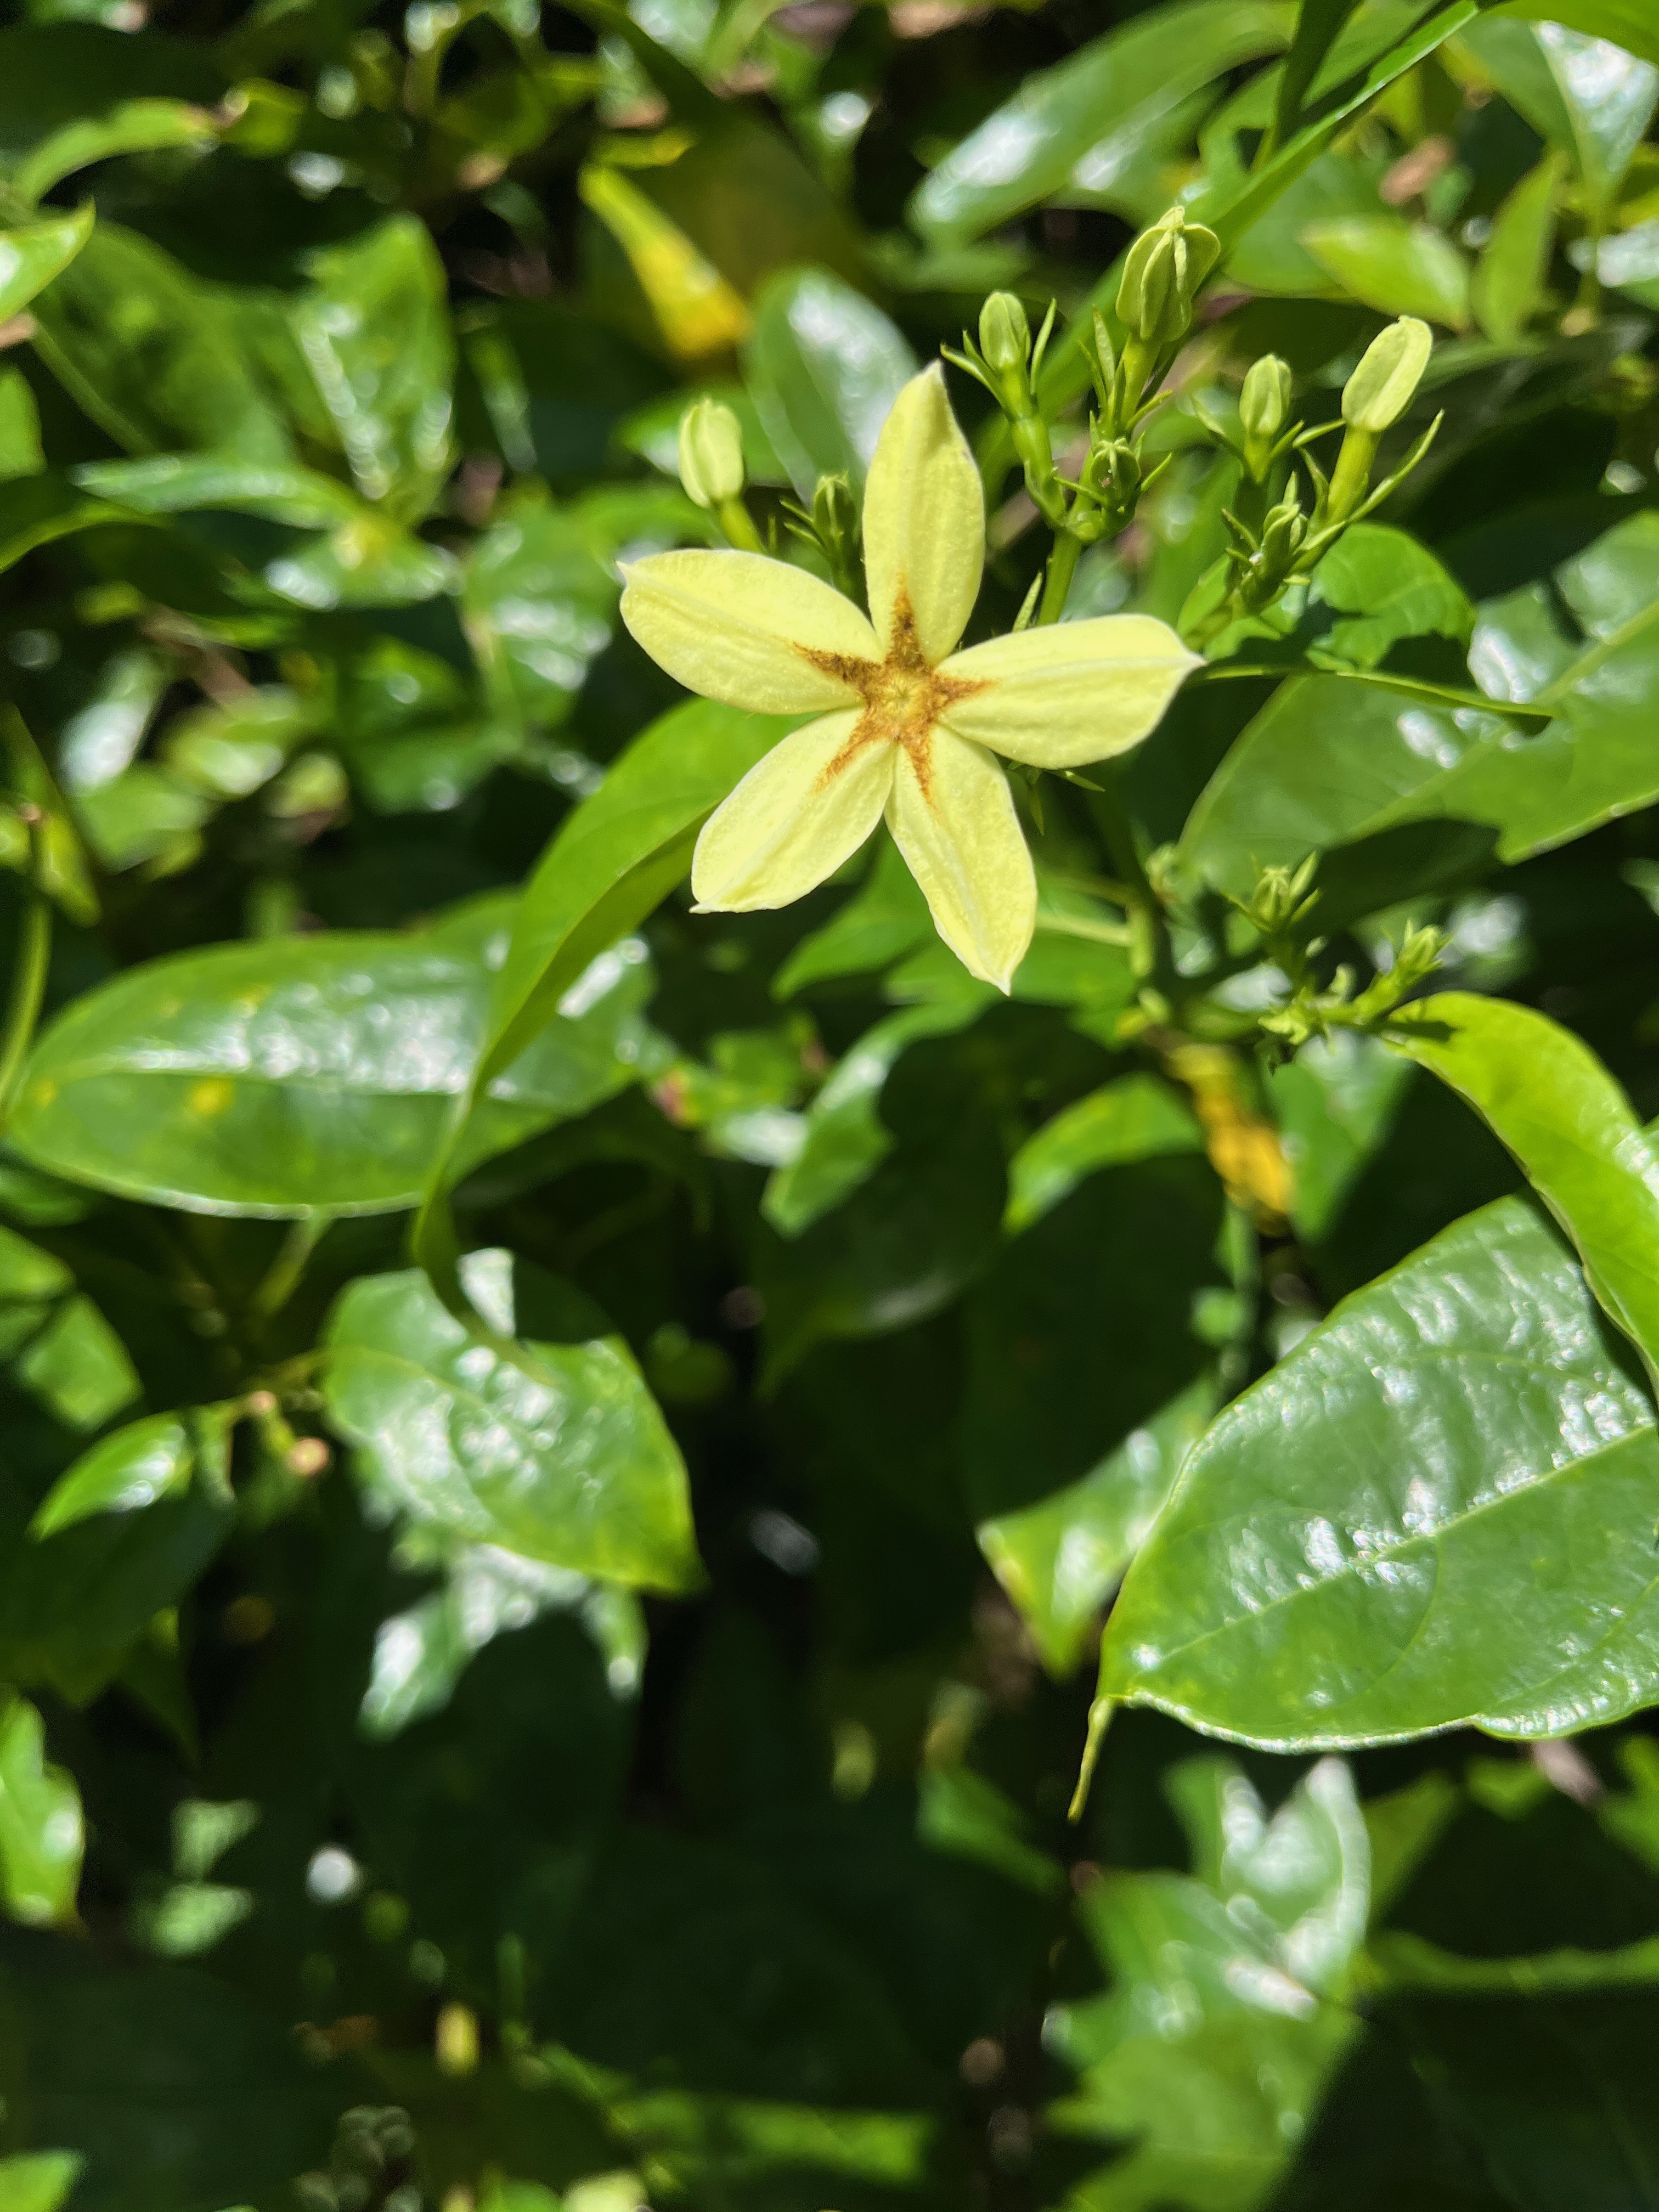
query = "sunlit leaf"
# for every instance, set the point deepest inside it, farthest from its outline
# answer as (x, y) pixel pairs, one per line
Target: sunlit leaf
(558, 1455)
(1436, 1510)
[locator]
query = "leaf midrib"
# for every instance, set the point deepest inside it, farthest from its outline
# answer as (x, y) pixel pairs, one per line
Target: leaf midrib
(1355, 1567)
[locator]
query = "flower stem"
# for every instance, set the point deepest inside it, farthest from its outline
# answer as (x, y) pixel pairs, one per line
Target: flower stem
(28, 988)
(736, 522)
(1062, 567)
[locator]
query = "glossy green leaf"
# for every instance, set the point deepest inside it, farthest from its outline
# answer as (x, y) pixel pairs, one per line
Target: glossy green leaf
(1225, 2022)
(1585, 94)
(618, 855)
(1232, 205)
(31, 257)
(1384, 587)
(1083, 122)
(488, 1591)
(123, 1473)
(376, 329)
(180, 483)
(135, 126)
(42, 1835)
(1572, 1129)
(1436, 1510)
(1622, 22)
(1326, 762)
(559, 1453)
(153, 354)
(1507, 288)
(1059, 1560)
(823, 366)
(287, 1077)
(1135, 1118)
(306, 1075)
(60, 1347)
(1399, 268)
(541, 591)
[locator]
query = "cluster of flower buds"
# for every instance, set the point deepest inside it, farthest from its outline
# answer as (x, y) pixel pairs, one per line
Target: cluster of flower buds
(1162, 274)
(1280, 898)
(1274, 547)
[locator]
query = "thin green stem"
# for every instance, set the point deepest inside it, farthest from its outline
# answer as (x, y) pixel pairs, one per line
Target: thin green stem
(738, 525)
(1062, 567)
(281, 1278)
(28, 989)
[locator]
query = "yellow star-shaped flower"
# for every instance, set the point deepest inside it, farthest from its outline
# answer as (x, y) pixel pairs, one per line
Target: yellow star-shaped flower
(907, 726)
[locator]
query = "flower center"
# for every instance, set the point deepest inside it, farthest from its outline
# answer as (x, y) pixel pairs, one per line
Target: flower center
(902, 701)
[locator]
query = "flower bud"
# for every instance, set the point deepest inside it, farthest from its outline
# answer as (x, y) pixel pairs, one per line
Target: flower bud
(711, 454)
(1165, 266)
(1264, 405)
(1004, 336)
(1380, 390)
(1283, 534)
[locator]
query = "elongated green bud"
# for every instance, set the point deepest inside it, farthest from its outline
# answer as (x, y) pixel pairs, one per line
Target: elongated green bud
(1380, 390)
(1004, 336)
(711, 454)
(1165, 266)
(1264, 405)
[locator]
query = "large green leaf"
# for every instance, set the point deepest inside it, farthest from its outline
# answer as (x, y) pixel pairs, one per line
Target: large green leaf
(310, 1075)
(1327, 762)
(558, 1454)
(1226, 2019)
(154, 355)
(540, 594)
(824, 365)
(618, 854)
(1438, 1510)
(1581, 91)
(1084, 122)
(1572, 1127)
(376, 329)
(42, 1835)
(1397, 267)
(1626, 24)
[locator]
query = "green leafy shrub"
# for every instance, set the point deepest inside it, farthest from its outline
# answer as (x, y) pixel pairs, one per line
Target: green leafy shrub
(828, 1249)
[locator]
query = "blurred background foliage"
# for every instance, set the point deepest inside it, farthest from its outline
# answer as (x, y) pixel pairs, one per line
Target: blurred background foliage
(376, 1836)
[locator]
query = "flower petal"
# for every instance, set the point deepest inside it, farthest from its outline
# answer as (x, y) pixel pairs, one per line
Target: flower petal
(924, 521)
(793, 819)
(956, 826)
(752, 632)
(1075, 692)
